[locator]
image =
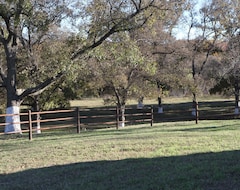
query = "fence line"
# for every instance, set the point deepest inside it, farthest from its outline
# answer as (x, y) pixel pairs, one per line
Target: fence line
(91, 118)
(74, 118)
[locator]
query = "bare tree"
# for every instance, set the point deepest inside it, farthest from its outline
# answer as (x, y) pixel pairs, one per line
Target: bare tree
(202, 36)
(228, 18)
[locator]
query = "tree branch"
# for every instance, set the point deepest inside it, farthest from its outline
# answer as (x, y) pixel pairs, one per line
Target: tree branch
(163, 52)
(116, 94)
(41, 87)
(207, 55)
(3, 77)
(137, 6)
(117, 27)
(129, 78)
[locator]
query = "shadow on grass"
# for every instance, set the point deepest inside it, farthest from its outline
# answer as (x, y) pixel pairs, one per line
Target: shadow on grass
(207, 171)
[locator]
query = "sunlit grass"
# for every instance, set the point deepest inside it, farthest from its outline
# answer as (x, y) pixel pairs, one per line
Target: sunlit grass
(161, 157)
(169, 139)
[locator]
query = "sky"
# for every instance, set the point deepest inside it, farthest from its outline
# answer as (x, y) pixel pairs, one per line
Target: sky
(181, 31)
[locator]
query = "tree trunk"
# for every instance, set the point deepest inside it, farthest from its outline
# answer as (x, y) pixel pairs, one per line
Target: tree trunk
(195, 111)
(122, 116)
(13, 120)
(236, 88)
(160, 108)
(195, 103)
(13, 102)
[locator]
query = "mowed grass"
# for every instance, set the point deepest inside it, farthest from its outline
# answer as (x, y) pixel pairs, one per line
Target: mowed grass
(174, 155)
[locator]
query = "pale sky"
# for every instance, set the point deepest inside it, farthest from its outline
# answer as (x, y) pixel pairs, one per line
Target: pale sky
(181, 31)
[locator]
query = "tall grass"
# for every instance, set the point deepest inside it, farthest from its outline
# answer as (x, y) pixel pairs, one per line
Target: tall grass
(177, 155)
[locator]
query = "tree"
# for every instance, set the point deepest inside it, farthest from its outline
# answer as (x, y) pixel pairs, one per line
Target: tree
(229, 77)
(156, 41)
(203, 34)
(171, 72)
(23, 24)
(120, 68)
(228, 19)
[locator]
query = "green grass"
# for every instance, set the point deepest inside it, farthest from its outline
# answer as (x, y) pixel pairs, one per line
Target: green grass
(174, 155)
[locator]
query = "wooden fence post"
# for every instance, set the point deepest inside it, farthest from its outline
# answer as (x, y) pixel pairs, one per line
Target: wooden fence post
(117, 117)
(78, 120)
(151, 116)
(196, 114)
(30, 124)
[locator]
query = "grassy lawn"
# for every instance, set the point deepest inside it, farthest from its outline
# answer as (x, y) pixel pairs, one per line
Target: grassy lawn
(173, 155)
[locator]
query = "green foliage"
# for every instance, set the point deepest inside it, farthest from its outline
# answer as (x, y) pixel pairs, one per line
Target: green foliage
(120, 68)
(228, 78)
(50, 58)
(224, 86)
(29, 34)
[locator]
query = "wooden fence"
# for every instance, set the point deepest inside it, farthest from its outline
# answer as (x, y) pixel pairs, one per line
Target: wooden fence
(77, 118)
(92, 118)
(215, 110)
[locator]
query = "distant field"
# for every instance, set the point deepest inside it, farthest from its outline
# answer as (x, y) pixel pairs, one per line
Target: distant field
(171, 156)
(98, 102)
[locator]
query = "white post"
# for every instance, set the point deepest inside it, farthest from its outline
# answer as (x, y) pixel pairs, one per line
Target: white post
(160, 109)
